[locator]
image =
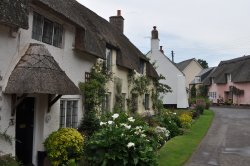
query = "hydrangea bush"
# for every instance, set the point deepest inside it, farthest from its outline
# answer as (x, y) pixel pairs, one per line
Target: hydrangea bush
(64, 145)
(120, 141)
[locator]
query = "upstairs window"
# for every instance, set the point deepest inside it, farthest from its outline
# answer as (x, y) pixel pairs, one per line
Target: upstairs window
(109, 59)
(47, 31)
(228, 77)
(146, 102)
(142, 66)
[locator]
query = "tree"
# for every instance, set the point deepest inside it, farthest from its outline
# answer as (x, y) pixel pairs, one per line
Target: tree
(203, 63)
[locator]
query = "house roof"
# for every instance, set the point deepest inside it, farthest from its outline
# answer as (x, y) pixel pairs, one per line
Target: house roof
(98, 32)
(182, 65)
(203, 74)
(38, 72)
(14, 13)
(239, 68)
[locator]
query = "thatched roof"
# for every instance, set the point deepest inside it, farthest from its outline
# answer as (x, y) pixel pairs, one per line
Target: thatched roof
(239, 68)
(14, 13)
(99, 33)
(38, 72)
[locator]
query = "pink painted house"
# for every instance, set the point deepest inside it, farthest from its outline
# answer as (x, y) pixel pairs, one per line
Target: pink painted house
(230, 82)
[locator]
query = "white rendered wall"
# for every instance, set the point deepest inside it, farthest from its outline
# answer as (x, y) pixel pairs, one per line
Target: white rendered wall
(166, 68)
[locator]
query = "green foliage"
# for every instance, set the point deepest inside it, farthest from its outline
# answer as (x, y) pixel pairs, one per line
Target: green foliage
(8, 160)
(89, 123)
(171, 122)
(202, 91)
(120, 142)
(140, 85)
(94, 91)
(178, 150)
(203, 63)
(63, 145)
(193, 92)
(159, 88)
(186, 119)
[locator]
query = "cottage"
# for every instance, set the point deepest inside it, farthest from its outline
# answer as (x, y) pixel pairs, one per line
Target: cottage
(190, 68)
(230, 81)
(174, 77)
(46, 48)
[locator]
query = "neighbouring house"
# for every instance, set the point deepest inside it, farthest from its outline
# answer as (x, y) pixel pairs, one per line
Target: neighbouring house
(229, 83)
(46, 48)
(190, 68)
(174, 77)
(200, 78)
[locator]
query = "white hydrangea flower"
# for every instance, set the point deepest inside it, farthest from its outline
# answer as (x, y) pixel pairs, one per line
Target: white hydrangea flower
(130, 144)
(127, 126)
(138, 127)
(110, 122)
(143, 135)
(115, 116)
(131, 119)
(103, 123)
(174, 113)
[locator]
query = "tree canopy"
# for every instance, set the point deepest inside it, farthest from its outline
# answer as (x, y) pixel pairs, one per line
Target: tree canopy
(203, 63)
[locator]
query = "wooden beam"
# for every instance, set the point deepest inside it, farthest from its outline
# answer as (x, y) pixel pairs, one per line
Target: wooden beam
(16, 101)
(52, 101)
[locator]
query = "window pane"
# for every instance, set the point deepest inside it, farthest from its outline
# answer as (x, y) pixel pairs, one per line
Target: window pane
(147, 101)
(37, 26)
(74, 114)
(47, 31)
(68, 114)
(109, 59)
(62, 113)
(57, 37)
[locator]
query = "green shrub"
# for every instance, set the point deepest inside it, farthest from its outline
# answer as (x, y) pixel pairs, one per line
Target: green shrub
(8, 160)
(171, 122)
(64, 145)
(199, 109)
(186, 119)
(120, 142)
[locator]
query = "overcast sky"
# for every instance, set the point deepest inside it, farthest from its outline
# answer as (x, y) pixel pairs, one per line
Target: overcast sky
(212, 30)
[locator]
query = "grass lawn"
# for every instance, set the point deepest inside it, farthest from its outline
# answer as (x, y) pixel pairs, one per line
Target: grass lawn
(178, 150)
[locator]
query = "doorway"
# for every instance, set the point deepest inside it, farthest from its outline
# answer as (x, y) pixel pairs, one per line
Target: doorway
(24, 130)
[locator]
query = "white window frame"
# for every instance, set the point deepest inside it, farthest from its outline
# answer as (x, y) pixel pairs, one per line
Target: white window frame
(63, 113)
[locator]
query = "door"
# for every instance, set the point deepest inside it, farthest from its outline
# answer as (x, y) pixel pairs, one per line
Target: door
(24, 130)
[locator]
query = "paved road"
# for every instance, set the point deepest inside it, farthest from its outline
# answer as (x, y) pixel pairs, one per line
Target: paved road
(227, 142)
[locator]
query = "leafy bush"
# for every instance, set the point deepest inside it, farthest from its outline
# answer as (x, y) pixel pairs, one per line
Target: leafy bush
(63, 145)
(186, 119)
(120, 142)
(171, 122)
(8, 160)
(199, 109)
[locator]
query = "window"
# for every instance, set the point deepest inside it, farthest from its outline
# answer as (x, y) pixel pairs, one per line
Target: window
(106, 102)
(109, 59)
(87, 76)
(46, 30)
(68, 113)
(146, 102)
(198, 79)
(228, 77)
(142, 65)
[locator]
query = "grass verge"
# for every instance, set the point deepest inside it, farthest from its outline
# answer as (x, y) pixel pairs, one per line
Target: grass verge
(178, 150)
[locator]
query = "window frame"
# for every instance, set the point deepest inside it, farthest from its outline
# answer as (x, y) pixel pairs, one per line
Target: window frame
(55, 38)
(146, 101)
(73, 113)
(109, 59)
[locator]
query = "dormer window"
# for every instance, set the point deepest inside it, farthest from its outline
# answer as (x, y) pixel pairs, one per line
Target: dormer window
(46, 30)
(142, 66)
(109, 59)
(228, 77)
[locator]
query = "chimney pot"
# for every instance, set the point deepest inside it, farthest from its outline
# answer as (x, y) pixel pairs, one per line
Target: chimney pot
(161, 49)
(154, 27)
(118, 12)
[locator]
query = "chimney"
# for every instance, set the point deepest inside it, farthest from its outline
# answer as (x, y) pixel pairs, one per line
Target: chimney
(117, 21)
(161, 49)
(154, 40)
(154, 33)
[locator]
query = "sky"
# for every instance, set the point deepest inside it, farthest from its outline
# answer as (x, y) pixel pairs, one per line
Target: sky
(212, 30)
